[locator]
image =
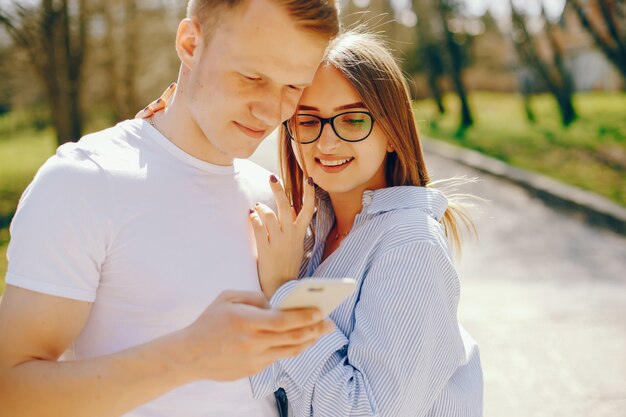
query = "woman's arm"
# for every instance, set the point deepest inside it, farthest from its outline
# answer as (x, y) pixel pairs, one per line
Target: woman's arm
(404, 348)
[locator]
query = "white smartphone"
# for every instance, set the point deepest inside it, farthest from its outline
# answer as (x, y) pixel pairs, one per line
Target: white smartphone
(322, 293)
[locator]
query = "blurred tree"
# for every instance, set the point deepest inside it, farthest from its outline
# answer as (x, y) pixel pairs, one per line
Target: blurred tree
(6, 89)
(428, 53)
(121, 55)
(555, 75)
(491, 25)
(447, 10)
(54, 35)
(608, 29)
(132, 30)
(566, 84)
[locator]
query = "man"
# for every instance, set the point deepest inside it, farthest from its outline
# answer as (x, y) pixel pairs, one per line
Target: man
(123, 239)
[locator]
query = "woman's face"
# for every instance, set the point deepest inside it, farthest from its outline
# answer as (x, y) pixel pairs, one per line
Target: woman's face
(338, 166)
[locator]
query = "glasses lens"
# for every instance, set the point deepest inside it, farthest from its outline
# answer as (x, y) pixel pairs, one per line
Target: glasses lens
(353, 126)
(304, 128)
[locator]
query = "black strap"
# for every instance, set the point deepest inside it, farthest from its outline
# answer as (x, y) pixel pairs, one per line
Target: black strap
(281, 402)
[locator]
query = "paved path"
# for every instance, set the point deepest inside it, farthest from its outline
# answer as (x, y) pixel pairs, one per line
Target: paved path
(545, 296)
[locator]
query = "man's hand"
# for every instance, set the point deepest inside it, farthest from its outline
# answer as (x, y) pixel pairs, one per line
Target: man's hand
(235, 337)
(238, 336)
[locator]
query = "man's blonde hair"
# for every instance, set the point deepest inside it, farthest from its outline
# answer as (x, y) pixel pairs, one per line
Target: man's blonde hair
(316, 16)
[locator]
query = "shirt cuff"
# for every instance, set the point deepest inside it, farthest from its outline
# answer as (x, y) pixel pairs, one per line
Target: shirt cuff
(282, 292)
(265, 382)
(293, 373)
(308, 364)
(50, 288)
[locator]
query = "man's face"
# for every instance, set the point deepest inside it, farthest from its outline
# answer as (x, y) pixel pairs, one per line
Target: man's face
(249, 77)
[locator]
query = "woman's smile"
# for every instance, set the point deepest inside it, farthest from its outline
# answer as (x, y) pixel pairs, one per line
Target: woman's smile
(333, 165)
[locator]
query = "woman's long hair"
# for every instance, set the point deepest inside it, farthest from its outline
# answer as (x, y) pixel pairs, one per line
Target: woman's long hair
(365, 61)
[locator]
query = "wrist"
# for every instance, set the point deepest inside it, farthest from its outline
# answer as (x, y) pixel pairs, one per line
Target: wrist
(179, 350)
(279, 283)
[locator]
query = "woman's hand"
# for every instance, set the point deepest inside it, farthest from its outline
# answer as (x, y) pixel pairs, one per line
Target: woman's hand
(280, 236)
(158, 104)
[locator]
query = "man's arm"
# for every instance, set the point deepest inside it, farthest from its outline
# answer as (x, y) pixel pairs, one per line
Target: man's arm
(235, 337)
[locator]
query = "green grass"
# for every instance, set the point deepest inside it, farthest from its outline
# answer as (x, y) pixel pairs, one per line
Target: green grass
(20, 157)
(590, 154)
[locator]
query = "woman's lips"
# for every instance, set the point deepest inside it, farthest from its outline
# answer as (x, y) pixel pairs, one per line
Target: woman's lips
(328, 164)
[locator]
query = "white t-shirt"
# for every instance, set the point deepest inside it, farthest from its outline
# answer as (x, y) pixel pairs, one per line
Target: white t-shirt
(150, 235)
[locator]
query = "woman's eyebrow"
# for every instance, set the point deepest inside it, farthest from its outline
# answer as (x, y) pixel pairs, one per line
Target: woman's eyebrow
(357, 105)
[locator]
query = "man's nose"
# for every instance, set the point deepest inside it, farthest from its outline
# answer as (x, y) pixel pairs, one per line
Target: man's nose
(273, 107)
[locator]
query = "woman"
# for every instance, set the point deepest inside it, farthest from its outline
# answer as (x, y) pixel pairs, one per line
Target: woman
(397, 349)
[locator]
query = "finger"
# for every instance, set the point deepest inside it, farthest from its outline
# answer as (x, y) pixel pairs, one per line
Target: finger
(308, 206)
(168, 92)
(293, 337)
(161, 103)
(260, 232)
(282, 202)
(282, 352)
(145, 113)
(282, 321)
(294, 215)
(270, 221)
(245, 297)
(158, 104)
(151, 108)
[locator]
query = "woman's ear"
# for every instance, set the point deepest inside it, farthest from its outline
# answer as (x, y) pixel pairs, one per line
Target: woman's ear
(390, 147)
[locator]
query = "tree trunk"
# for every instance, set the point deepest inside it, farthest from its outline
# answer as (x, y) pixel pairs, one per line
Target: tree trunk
(456, 64)
(568, 113)
(433, 84)
(131, 55)
(112, 74)
(56, 48)
(557, 78)
(434, 70)
(429, 51)
(566, 81)
(530, 114)
(615, 54)
(74, 50)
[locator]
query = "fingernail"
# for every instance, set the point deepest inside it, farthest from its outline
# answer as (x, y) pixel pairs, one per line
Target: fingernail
(257, 204)
(250, 211)
(171, 86)
(159, 101)
(273, 179)
(310, 181)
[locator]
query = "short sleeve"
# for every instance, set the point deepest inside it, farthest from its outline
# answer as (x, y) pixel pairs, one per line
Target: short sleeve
(58, 234)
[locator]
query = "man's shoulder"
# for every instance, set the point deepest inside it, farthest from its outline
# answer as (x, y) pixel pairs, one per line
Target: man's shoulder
(253, 174)
(114, 148)
(84, 164)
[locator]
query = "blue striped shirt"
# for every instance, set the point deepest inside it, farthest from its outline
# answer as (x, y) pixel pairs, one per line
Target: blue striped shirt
(398, 349)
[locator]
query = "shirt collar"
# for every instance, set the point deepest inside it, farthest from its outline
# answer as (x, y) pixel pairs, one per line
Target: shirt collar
(431, 201)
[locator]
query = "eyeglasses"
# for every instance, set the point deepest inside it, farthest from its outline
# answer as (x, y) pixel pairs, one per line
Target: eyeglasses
(352, 126)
